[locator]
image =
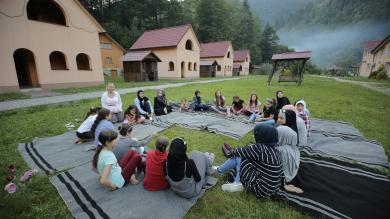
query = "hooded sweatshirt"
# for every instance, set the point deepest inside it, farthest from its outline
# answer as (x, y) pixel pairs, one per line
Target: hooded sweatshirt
(154, 177)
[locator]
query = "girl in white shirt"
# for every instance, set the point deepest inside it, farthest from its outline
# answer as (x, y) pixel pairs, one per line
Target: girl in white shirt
(112, 100)
(83, 133)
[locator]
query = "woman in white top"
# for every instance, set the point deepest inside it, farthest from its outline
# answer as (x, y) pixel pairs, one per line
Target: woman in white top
(112, 100)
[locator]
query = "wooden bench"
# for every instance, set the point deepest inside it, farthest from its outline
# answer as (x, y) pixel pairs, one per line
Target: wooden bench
(288, 78)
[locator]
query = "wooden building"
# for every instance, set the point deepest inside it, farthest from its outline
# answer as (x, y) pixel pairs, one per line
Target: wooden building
(222, 52)
(208, 68)
(177, 48)
(140, 66)
(367, 59)
(381, 55)
(111, 53)
(48, 44)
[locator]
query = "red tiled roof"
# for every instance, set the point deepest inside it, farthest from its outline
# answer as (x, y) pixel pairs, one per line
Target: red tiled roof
(139, 56)
(292, 55)
(371, 44)
(240, 56)
(165, 37)
(215, 49)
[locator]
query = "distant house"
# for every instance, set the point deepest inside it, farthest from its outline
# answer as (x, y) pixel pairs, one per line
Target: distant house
(222, 53)
(178, 49)
(111, 52)
(241, 62)
(367, 60)
(381, 55)
(48, 44)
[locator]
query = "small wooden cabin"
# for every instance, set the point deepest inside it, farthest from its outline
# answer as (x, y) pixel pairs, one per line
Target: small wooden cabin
(140, 66)
(208, 68)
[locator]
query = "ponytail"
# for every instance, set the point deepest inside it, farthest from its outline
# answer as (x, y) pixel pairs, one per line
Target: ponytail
(106, 136)
(103, 113)
(92, 110)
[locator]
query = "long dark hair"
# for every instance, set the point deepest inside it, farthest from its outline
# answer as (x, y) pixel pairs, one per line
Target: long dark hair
(219, 100)
(106, 136)
(250, 99)
(102, 114)
(131, 107)
(291, 120)
(92, 110)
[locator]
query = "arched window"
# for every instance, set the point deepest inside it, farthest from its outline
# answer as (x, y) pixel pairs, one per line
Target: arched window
(82, 61)
(57, 61)
(45, 11)
(228, 55)
(195, 66)
(189, 66)
(188, 45)
(171, 66)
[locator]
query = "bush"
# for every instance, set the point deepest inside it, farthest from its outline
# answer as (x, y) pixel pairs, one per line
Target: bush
(287, 72)
(379, 74)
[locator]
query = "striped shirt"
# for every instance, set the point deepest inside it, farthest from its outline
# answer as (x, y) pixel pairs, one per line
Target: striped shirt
(261, 169)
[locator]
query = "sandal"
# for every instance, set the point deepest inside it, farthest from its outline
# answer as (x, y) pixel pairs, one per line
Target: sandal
(27, 175)
(10, 188)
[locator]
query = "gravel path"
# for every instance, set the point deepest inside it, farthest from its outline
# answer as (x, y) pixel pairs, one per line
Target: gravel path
(18, 104)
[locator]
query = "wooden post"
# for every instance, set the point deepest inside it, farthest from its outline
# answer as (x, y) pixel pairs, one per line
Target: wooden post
(301, 72)
(272, 73)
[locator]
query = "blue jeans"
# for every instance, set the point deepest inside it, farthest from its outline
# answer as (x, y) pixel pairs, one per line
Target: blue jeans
(234, 162)
(252, 118)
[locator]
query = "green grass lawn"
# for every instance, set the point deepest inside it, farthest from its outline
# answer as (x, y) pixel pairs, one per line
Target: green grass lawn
(13, 96)
(327, 99)
(365, 79)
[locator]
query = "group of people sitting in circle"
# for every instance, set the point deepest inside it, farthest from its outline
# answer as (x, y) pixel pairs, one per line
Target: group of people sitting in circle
(263, 167)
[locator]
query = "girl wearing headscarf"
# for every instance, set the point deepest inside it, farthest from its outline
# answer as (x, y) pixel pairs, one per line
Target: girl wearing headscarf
(261, 164)
(143, 105)
(161, 106)
(186, 175)
(303, 113)
(302, 131)
(281, 100)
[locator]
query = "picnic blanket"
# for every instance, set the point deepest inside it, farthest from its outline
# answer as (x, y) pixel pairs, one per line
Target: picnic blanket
(335, 184)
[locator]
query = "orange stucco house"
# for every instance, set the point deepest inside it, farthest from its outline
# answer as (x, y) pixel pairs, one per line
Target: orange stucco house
(375, 54)
(222, 53)
(112, 53)
(366, 66)
(48, 44)
(241, 62)
(178, 49)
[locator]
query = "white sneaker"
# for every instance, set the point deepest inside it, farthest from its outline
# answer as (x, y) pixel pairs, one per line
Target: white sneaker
(214, 168)
(232, 187)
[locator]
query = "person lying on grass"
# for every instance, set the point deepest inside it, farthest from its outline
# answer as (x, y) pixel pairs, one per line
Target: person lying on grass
(237, 105)
(114, 175)
(161, 106)
(197, 104)
(187, 175)
(84, 133)
(102, 122)
(219, 104)
(259, 167)
(154, 175)
(270, 114)
(133, 117)
(126, 142)
(143, 105)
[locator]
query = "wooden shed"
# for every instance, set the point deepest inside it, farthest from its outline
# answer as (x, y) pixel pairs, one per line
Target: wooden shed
(237, 68)
(140, 66)
(208, 68)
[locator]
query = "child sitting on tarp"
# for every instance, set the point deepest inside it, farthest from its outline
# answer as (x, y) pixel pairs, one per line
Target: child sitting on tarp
(237, 105)
(270, 114)
(154, 175)
(114, 174)
(219, 104)
(197, 104)
(184, 105)
(83, 133)
(304, 114)
(132, 116)
(127, 142)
